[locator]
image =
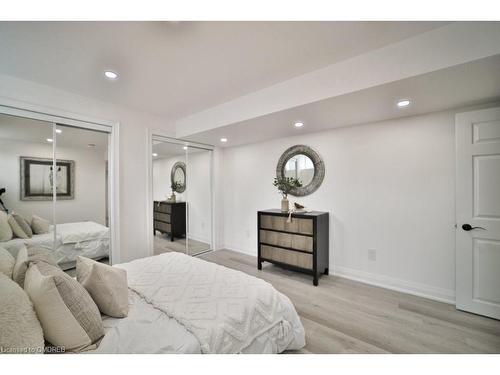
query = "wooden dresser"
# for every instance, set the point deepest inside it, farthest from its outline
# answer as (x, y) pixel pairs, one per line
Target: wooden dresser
(301, 245)
(170, 218)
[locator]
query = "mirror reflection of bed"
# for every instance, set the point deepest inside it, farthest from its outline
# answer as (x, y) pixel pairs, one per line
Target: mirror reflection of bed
(182, 218)
(76, 223)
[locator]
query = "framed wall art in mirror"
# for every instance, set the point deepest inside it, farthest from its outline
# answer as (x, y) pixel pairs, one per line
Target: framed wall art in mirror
(37, 177)
(178, 177)
(306, 165)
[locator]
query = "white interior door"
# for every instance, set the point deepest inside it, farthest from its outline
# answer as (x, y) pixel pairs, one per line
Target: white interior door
(478, 212)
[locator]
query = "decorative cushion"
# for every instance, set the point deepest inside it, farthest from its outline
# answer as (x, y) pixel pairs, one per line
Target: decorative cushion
(5, 229)
(69, 317)
(106, 285)
(23, 223)
(39, 225)
(7, 262)
(20, 331)
(27, 255)
(16, 228)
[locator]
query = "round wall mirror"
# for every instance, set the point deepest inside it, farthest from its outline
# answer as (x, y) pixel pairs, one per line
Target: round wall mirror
(305, 164)
(178, 177)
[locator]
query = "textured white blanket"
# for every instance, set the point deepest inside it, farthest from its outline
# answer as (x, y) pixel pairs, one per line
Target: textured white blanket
(226, 310)
(83, 231)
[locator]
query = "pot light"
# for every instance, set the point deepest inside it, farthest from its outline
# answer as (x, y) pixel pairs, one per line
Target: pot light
(298, 124)
(403, 103)
(110, 75)
(155, 154)
(185, 147)
(58, 131)
(91, 145)
(50, 140)
(223, 140)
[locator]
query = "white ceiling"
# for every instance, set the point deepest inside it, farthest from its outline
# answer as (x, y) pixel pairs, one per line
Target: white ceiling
(165, 150)
(27, 130)
(467, 84)
(177, 68)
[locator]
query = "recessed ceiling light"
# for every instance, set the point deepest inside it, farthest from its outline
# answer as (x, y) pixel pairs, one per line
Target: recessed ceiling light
(223, 140)
(298, 124)
(58, 131)
(185, 147)
(155, 154)
(50, 140)
(91, 145)
(110, 74)
(403, 103)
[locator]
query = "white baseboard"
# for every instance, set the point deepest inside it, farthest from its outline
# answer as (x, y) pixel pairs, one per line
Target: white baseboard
(409, 287)
(199, 238)
(403, 286)
(238, 250)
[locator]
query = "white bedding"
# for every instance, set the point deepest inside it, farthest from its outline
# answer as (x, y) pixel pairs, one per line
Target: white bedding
(83, 231)
(97, 246)
(188, 320)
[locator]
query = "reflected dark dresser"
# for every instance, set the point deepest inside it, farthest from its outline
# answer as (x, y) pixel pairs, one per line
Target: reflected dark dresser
(301, 245)
(170, 218)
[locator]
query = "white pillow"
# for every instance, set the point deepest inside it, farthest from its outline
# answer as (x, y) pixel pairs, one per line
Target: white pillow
(21, 331)
(106, 285)
(17, 230)
(39, 225)
(7, 262)
(27, 255)
(69, 317)
(5, 229)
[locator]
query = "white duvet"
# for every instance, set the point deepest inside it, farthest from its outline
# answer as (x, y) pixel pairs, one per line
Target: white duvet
(181, 304)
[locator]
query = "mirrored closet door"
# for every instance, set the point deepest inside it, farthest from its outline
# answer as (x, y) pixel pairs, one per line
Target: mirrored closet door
(182, 197)
(54, 184)
(199, 198)
(82, 204)
(27, 212)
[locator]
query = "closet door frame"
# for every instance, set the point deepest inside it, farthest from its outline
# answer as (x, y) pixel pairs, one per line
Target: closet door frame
(156, 135)
(50, 115)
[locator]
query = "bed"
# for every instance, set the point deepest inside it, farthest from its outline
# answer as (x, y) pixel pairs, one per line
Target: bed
(182, 304)
(86, 239)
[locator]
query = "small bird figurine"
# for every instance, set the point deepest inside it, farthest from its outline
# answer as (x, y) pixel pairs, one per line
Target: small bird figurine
(298, 206)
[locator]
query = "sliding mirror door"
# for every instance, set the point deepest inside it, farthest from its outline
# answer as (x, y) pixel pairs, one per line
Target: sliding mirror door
(82, 203)
(27, 214)
(199, 200)
(169, 196)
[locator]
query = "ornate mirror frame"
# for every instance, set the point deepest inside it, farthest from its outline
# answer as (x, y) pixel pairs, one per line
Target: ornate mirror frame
(319, 168)
(181, 165)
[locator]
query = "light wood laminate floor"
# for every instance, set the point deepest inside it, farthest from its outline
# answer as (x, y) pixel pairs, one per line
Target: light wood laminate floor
(344, 316)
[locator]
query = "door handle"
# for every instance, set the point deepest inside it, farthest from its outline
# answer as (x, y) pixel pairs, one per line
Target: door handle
(468, 227)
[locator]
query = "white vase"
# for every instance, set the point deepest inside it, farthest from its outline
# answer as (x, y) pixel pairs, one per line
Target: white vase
(284, 205)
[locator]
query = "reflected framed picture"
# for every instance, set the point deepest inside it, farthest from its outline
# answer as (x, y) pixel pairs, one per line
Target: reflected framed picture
(37, 178)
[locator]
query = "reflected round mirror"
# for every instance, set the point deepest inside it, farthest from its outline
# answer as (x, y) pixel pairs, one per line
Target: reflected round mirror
(300, 167)
(305, 164)
(178, 177)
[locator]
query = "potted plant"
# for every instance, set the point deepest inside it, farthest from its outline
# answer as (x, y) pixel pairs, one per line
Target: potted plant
(285, 185)
(176, 185)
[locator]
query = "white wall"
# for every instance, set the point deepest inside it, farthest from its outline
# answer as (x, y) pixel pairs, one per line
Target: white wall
(90, 182)
(388, 186)
(197, 192)
(134, 151)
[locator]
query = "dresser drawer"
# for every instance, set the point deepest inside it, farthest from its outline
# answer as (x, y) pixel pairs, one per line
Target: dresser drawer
(162, 217)
(294, 241)
(164, 208)
(290, 257)
(164, 227)
(297, 225)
